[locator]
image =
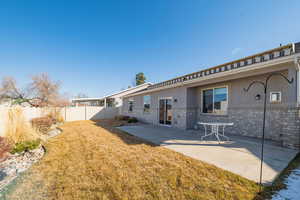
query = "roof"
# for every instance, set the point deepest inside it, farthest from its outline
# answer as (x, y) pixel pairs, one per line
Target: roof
(280, 54)
(271, 54)
(142, 86)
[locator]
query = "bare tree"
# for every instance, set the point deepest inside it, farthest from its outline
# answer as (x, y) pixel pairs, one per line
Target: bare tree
(9, 90)
(62, 100)
(45, 91)
(81, 95)
(42, 91)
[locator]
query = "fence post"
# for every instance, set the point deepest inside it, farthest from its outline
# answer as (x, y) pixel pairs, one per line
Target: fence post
(85, 112)
(65, 113)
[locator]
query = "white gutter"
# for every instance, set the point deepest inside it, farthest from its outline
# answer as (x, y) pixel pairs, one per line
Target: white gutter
(86, 99)
(297, 62)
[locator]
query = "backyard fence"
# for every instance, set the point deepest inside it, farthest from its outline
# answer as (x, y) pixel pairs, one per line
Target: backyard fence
(67, 113)
(88, 113)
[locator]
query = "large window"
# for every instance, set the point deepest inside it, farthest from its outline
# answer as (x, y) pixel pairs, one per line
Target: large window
(147, 103)
(130, 105)
(215, 100)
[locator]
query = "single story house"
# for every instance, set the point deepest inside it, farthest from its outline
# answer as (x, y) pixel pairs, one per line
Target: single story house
(112, 100)
(216, 95)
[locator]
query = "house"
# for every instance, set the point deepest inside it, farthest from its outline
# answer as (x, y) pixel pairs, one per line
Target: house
(113, 100)
(216, 95)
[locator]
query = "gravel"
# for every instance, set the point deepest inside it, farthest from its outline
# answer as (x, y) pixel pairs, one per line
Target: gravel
(17, 163)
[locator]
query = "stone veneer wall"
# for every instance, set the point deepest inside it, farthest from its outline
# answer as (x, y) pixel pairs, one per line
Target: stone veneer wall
(282, 124)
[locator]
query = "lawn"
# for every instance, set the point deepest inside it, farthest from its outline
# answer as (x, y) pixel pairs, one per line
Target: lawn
(92, 160)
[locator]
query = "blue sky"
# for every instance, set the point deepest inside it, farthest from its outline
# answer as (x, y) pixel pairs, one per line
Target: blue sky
(97, 47)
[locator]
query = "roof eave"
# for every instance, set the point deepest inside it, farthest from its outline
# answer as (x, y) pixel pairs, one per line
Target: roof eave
(256, 66)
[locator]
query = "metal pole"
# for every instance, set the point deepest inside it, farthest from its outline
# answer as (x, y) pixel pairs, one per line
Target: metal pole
(265, 85)
(263, 137)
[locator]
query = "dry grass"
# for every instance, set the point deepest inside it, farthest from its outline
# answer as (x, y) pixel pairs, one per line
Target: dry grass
(17, 128)
(95, 161)
(54, 113)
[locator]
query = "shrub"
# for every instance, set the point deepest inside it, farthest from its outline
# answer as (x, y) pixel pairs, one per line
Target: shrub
(122, 117)
(5, 147)
(17, 128)
(132, 120)
(42, 124)
(26, 146)
(55, 113)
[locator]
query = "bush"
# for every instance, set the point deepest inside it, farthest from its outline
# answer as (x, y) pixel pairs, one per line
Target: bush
(132, 120)
(5, 147)
(42, 124)
(55, 114)
(122, 118)
(17, 128)
(26, 146)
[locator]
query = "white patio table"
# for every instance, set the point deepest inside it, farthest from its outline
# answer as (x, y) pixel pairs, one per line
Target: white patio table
(215, 129)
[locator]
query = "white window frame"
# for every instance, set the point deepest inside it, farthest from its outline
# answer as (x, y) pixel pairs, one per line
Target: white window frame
(280, 97)
(212, 88)
(144, 104)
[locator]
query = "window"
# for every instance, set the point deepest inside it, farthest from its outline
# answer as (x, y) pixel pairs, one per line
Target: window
(275, 97)
(215, 100)
(147, 103)
(110, 102)
(130, 103)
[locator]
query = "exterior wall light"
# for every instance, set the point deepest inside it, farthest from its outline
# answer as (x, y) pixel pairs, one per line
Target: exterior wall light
(257, 97)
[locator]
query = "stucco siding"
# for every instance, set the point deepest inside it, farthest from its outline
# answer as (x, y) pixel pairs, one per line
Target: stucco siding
(297, 47)
(282, 119)
(178, 107)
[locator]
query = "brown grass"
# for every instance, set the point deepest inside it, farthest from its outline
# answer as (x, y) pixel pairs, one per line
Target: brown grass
(95, 161)
(17, 128)
(54, 113)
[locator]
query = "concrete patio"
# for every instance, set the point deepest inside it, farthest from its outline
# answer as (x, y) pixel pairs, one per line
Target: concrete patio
(240, 155)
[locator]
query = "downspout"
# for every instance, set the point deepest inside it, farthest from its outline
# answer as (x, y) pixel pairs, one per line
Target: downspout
(297, 62)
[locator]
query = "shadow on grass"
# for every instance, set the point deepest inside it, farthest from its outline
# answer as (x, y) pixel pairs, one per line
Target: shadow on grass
(278, 183)
(111, 126)
(268, 191)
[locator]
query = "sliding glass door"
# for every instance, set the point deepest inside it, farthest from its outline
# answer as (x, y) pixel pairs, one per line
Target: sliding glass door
(165, 111)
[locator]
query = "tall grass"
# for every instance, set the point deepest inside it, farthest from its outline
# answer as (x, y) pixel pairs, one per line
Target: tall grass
(17, 128)
(54, 113)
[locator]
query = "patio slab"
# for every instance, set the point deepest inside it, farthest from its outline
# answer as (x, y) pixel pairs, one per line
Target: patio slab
(240, 155)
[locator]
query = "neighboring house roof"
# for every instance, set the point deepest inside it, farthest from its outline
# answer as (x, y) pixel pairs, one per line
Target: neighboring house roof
(280, 54)
(117, 94)
(129, 90)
